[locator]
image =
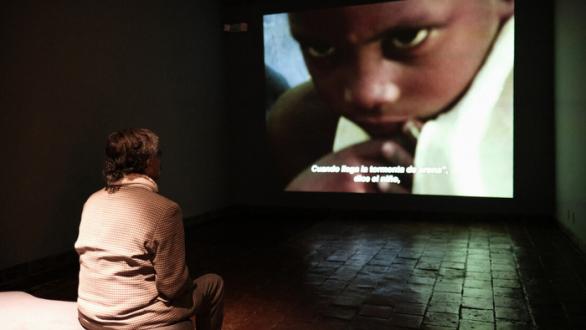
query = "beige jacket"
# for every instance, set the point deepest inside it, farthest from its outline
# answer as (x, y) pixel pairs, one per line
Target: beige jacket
(132, 259)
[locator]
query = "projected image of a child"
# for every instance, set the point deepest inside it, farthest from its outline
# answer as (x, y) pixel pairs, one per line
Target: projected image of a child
(420, 83)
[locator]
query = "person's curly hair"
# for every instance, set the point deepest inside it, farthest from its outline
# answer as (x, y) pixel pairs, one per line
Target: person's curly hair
(127, 151)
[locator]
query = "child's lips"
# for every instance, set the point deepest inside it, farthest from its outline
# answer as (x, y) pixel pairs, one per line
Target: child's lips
(381, 128)
(381, 120)
(382, 125)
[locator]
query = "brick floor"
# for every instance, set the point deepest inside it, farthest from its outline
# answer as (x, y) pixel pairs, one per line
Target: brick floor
(365, 274)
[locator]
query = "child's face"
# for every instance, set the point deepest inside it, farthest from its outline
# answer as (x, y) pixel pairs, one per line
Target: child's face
(382, 64)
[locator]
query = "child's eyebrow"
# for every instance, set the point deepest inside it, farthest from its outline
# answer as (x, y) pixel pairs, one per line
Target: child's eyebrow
(421, 18)
(413, 19)
(408, 17)
(420, 23)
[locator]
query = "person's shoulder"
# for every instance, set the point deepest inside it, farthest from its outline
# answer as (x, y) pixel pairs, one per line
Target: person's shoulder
(157, 205)
(169, 204)
(140, 196)
(96, 196)
(158, 200)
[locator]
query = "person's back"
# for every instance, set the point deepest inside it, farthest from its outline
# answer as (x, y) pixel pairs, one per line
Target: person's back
(131, 249)
(119, 234)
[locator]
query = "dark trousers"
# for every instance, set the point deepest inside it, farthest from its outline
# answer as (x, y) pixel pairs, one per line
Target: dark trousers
(208, 298)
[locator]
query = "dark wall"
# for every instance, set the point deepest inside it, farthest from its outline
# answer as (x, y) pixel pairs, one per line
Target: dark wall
(74, 71)
(534, 184)
(571, 117)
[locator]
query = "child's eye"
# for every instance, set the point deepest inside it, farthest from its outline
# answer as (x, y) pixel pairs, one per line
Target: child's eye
(409, 38)
(319, 51)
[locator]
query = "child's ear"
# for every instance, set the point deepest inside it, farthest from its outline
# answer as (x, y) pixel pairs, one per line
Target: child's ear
(505, 8)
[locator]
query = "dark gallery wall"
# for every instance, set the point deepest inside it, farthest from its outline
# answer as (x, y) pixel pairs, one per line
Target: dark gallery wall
(74, 71)
(571, 117)
(534, 185)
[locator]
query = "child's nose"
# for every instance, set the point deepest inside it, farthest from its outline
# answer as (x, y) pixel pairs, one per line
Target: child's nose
(372, 83)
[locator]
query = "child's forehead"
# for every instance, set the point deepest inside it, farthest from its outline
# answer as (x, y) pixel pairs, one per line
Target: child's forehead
(363, 22)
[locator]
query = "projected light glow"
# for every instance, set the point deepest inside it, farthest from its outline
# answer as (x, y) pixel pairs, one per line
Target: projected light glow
(403, 97)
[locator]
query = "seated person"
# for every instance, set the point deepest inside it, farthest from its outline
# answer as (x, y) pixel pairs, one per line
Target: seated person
(132, 251)
(417, 82)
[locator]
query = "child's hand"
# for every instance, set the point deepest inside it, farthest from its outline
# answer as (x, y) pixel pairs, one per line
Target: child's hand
(374, 152)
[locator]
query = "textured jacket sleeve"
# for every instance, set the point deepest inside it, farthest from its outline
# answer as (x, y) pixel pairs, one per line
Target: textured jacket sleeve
(172, 275)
